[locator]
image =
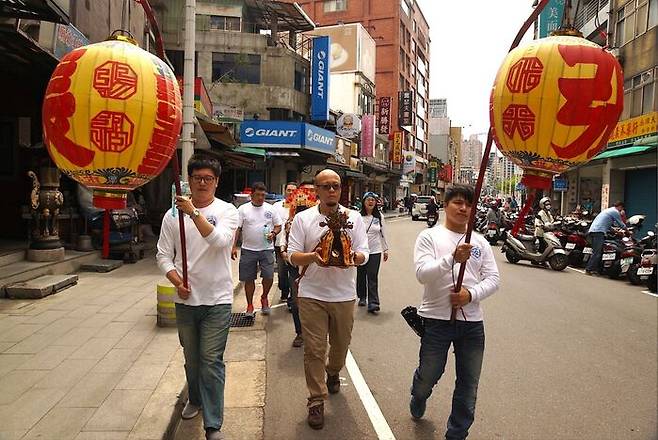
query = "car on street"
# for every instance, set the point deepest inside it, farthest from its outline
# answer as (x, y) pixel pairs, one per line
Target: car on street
(419, 210)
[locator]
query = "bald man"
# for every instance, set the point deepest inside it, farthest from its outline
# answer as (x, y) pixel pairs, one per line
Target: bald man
(326, 295)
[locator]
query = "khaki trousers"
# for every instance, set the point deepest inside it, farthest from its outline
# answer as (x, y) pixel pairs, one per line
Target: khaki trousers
(319, 319)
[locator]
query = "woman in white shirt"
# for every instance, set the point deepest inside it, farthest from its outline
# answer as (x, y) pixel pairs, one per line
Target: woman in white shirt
(366, 279)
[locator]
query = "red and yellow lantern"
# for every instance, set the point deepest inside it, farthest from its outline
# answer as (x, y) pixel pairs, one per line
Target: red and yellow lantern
(111, 118)
(554, 104)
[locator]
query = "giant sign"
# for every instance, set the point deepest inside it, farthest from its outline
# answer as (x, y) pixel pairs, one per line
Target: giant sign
(320, 79)
(286, 134)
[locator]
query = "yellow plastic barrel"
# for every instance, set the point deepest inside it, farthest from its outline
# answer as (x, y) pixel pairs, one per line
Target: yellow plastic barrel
(166, 306)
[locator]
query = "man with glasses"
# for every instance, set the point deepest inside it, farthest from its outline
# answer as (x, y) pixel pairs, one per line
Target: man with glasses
(258, 225)
(203, 306)
(326, 295)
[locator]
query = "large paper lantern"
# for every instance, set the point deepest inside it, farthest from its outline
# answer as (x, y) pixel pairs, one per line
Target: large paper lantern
(111, 118)
(554, 104)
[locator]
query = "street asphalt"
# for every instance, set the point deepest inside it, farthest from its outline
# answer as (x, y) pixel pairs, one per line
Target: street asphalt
(568, 356)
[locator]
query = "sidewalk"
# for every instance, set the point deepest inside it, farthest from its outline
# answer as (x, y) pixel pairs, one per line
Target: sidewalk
(90, 363)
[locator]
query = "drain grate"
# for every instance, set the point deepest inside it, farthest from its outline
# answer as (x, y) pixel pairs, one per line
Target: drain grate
(241, 320)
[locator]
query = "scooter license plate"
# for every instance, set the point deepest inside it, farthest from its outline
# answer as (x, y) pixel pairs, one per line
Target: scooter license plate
(570, 246)
(491, 233)
(627, 261)
(645, 271)
(608, 257)
(588, 251)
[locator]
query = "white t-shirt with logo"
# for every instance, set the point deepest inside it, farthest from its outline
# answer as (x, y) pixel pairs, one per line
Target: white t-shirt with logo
(436, 269)
(255, 221)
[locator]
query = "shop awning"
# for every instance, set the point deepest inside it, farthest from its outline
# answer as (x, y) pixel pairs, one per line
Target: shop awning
(260, 152)
(355, 174)
(216, 132)
(619, 152)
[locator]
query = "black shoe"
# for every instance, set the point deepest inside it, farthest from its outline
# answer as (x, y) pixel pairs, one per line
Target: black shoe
(333, 383)
(374, 310)
(362, 303)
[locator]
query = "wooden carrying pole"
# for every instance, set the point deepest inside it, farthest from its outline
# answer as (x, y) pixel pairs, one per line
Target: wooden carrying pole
(485, 158)
(174, 159)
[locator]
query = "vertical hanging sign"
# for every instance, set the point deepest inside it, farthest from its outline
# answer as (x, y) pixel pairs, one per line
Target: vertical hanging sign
(368, 136)
(384, 119)
(397, 147)
(405, 108)
(320, 79)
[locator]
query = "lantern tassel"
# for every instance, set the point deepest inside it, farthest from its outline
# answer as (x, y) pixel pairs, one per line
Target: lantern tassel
(485, 157)
(174, 158)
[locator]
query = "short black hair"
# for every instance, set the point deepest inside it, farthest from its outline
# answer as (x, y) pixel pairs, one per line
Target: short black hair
(200, 161)
(259, 186)
(619, 203)
(467, 192)
(291, 183)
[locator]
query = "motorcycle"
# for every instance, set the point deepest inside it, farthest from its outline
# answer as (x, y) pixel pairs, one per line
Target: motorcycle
(645, 270)
(620, 250)
(525, 247)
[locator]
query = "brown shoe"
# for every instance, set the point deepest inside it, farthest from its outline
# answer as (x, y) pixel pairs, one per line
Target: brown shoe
(316, 416)
(333, 383)
(298, 341)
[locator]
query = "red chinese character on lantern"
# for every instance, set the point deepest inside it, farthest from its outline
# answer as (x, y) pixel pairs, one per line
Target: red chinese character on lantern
(524, 75)
(519, 117)
(59, 105)
(111, 131)
(115, 80)
(588, 101)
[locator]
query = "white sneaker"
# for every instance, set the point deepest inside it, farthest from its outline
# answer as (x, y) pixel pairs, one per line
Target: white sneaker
(190, 411)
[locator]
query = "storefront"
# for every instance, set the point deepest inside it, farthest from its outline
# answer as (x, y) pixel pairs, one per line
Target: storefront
(290, 149)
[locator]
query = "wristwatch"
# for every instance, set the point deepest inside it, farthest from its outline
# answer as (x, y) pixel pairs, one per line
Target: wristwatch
(196, 213)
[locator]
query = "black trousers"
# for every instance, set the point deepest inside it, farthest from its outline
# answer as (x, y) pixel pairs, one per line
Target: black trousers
(366, 280)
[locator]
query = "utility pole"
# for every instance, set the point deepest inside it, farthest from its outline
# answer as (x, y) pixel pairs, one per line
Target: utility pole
(187, 141)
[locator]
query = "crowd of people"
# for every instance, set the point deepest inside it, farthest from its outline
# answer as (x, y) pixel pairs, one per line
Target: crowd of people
(320, 286)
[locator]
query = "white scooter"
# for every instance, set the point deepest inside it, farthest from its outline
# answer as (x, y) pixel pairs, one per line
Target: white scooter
(524, 247)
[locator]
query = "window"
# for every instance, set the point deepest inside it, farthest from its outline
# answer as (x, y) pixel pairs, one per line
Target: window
(177, 58)
(405, 7)
(634, 19)
(236, 67)
(335, 5)
(639, 93)
(301, 74)
(222, 23)
(403, 56)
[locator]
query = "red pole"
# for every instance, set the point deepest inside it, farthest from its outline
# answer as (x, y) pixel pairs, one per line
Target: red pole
(174, 159)
(485, 156)
(106, 234)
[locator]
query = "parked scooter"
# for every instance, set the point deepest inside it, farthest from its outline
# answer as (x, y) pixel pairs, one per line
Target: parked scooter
(526, 247)
(620, 250)
(644, 272)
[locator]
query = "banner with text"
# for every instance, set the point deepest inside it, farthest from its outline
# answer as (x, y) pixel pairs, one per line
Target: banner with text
(320, 72)
(409, 164)
(397, 147)
(368, 136)
(405, 108)
(384, 116)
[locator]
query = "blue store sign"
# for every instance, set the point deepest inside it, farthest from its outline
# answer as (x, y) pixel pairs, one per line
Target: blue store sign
(320, 79)
(560, 185)
(286, 134)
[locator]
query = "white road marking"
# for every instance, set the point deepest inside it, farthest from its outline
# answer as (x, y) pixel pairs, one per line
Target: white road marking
(577, 270)
(369, 403)
(649, 293)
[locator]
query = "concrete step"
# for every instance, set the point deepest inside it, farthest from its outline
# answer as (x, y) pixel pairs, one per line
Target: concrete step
(28, 270)
(40, 287)
(12, 256)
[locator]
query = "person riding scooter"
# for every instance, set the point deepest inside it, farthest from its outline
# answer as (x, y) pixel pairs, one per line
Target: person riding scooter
(543, 222)
(432, 212)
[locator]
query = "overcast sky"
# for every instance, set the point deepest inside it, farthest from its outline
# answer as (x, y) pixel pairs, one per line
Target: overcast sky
(469, 41)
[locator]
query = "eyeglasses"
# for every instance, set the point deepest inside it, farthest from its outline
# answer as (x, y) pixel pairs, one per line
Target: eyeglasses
(205, 179)
(330, 186)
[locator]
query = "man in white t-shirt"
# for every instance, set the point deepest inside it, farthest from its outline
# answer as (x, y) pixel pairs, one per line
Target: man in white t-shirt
(326, 295)
(438, 253)
(203, 306)
(258, 225)
(283, 268)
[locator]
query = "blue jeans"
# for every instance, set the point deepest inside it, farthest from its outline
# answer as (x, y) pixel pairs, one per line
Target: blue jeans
(467, 339)
(597, 250)
(202, 331)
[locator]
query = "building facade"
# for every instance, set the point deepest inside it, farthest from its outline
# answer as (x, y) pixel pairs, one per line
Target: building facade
(401, 33)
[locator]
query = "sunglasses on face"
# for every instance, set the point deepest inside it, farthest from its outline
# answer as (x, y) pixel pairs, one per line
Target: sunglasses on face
(330, 186)
(205, 179)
